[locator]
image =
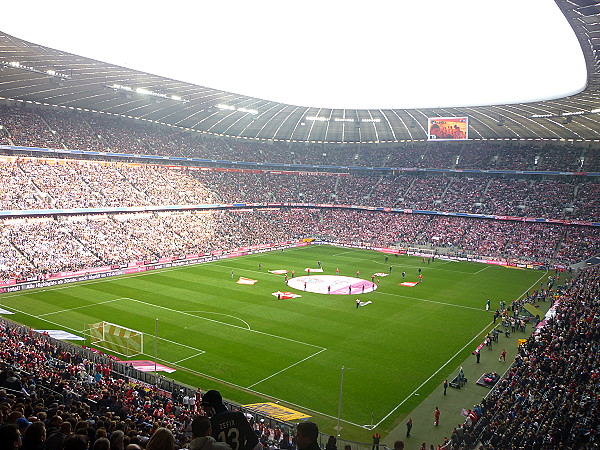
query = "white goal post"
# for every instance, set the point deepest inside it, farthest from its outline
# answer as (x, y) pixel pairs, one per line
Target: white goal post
(116, 338)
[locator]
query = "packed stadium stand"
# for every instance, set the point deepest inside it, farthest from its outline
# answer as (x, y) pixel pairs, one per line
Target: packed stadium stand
(46, 185)
(549, 396)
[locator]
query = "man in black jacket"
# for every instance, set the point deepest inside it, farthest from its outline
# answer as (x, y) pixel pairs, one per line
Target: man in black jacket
(231, 427)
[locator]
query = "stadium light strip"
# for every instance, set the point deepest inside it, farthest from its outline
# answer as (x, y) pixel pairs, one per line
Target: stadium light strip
(49, 72)
(340, 119)
(233, 108)
(144, 91)
(566, 114)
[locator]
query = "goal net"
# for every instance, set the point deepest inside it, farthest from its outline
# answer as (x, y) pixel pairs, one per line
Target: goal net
(116, 338)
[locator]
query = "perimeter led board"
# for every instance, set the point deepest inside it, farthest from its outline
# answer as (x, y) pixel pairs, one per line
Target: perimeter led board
(447, 128)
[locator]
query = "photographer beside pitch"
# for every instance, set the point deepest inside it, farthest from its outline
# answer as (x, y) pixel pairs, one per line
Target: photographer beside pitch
(231, 427)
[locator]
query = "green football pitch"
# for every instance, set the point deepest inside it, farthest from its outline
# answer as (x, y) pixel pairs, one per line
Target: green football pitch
(240, 339)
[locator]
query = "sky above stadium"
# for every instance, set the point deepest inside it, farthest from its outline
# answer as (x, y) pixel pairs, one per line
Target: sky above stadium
(341, 54)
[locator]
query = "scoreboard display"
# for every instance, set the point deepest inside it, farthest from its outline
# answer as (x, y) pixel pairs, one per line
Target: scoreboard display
(447, 128)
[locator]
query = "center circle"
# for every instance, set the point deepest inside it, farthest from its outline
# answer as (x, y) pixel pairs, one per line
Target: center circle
(332, 284)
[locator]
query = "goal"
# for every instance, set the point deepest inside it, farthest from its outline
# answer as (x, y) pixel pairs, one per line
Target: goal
(117, 339)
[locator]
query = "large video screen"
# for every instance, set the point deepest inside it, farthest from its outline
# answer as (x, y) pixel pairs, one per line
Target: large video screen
(447, 128)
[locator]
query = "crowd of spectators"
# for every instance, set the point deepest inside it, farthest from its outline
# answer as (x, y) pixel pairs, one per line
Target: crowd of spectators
(581, 241)
(30, 183)
(25, 127)
(587, 202)
(39, 246)
(76, 130)
(507, 195)
(67, 184)
(231, 187)
(478, 155)
(315, 188)
(50, 248)
(464, 194)
(388, 190)
(549, 396)
(425, 193)
(591, 160)
(517, 158)
(555, 198)
(17, 190)
(354, 190)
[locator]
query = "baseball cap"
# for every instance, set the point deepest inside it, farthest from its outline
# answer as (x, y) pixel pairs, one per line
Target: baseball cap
(212, 398)
(22, 422)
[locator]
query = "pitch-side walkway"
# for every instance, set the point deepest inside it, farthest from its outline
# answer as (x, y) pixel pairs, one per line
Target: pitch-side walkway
(451, 404)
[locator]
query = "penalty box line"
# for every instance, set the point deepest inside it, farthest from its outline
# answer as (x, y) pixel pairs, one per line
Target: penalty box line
(318, 347)
(227, 324)
(286, 368)
(209, 376)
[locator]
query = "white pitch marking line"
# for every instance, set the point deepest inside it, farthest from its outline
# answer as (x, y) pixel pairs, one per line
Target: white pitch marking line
(180, 344)
(321, 349)
(78, 307)
(189, 357)
(432, 375)
(220, 314)
(485, 268)
(286, 368)
(429, 301)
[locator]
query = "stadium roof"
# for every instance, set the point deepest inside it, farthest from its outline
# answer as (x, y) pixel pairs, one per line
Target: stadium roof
(34, 73)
